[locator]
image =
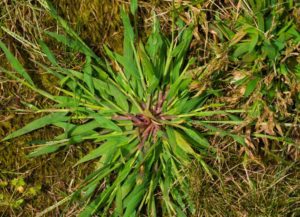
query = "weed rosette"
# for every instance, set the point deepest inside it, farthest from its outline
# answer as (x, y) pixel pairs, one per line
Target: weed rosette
(140, 110)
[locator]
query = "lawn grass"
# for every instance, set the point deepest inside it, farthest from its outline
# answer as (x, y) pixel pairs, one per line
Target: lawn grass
(259, 178)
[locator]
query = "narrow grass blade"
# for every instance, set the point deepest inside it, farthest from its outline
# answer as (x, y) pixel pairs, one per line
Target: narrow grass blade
(48, 148)
(16, 64)
(109, 146)
(87, 74)
(133, 6)
(48, 53)
(106, 123)
(39, 123)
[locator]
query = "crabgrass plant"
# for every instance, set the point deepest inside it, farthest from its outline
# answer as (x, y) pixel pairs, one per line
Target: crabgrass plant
(138, 110)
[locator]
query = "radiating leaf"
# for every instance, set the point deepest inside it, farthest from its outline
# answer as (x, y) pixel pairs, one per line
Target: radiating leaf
(197, 137)
(109, 145)
(183, 143)
(133, 6)
(106, 123)
(16, 64)
(48, 53)
(48, 148)
(87, 74)
(39, 123)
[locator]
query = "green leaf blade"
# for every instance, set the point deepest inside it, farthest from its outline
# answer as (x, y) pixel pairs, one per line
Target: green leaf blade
(16, 64)
(37, 124)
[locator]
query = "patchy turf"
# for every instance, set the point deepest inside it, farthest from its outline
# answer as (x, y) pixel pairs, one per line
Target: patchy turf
(261, 179)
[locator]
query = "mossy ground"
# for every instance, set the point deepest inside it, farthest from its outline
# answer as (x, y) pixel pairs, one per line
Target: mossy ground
(259, 186)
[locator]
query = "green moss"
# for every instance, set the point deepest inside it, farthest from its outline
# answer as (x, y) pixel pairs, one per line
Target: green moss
(40, 175)
(49, 172)
(96, 21)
